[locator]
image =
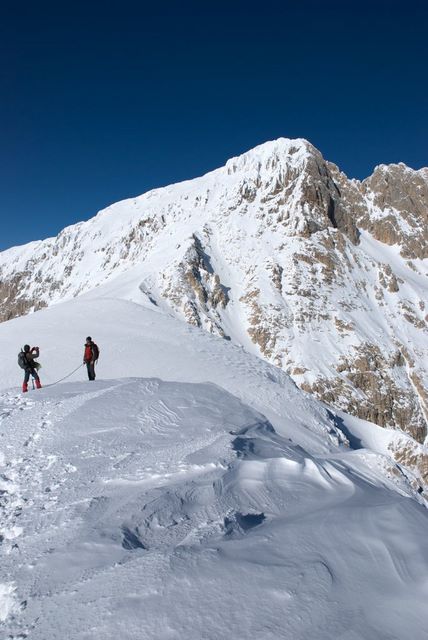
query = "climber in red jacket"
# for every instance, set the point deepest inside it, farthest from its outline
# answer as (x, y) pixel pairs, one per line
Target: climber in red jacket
(90, 357)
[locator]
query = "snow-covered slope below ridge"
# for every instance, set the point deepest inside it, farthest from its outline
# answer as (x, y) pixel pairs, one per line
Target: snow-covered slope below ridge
(323, 276)
(193, 491)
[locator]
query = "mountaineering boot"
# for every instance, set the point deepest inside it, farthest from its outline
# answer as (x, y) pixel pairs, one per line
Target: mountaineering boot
(38, 384)
(24, 387)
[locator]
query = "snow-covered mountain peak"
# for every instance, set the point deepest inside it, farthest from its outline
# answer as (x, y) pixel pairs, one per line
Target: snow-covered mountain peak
(279, 252)
(222, 479)
(281, 153)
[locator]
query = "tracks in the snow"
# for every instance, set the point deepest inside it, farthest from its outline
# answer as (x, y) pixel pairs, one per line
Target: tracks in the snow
(123, 480)
(26, 488)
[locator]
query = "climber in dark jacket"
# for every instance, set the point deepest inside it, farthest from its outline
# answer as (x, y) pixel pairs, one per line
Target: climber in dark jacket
(30, 367)
(90, 357)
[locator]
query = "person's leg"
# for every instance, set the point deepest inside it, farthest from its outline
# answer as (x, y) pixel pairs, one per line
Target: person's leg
(26, 379)
(91, 371)
(37, 379)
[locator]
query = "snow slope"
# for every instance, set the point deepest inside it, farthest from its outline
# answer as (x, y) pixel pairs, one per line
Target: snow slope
(193, 491)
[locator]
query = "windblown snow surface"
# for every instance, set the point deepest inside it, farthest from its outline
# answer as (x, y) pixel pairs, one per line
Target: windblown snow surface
(192, 491)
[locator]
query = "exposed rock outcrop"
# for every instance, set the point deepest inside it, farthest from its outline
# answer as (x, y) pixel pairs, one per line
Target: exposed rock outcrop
(398, 211)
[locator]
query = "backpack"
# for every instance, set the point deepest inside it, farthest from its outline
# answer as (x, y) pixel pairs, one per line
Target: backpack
(95, 351)
(22, 360)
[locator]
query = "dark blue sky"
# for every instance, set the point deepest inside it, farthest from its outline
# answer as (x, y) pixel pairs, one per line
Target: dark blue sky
(104, 100)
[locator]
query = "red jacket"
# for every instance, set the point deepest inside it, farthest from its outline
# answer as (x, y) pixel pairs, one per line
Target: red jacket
(89, 355)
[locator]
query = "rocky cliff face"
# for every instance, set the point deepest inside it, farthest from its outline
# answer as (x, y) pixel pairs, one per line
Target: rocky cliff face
(279, 251)
(399, 208)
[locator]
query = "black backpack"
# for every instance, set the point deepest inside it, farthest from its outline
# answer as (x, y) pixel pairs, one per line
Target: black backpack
(95, 351)
(22, 360)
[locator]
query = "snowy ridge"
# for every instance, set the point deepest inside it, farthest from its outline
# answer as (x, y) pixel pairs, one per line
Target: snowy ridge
(193, 480)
